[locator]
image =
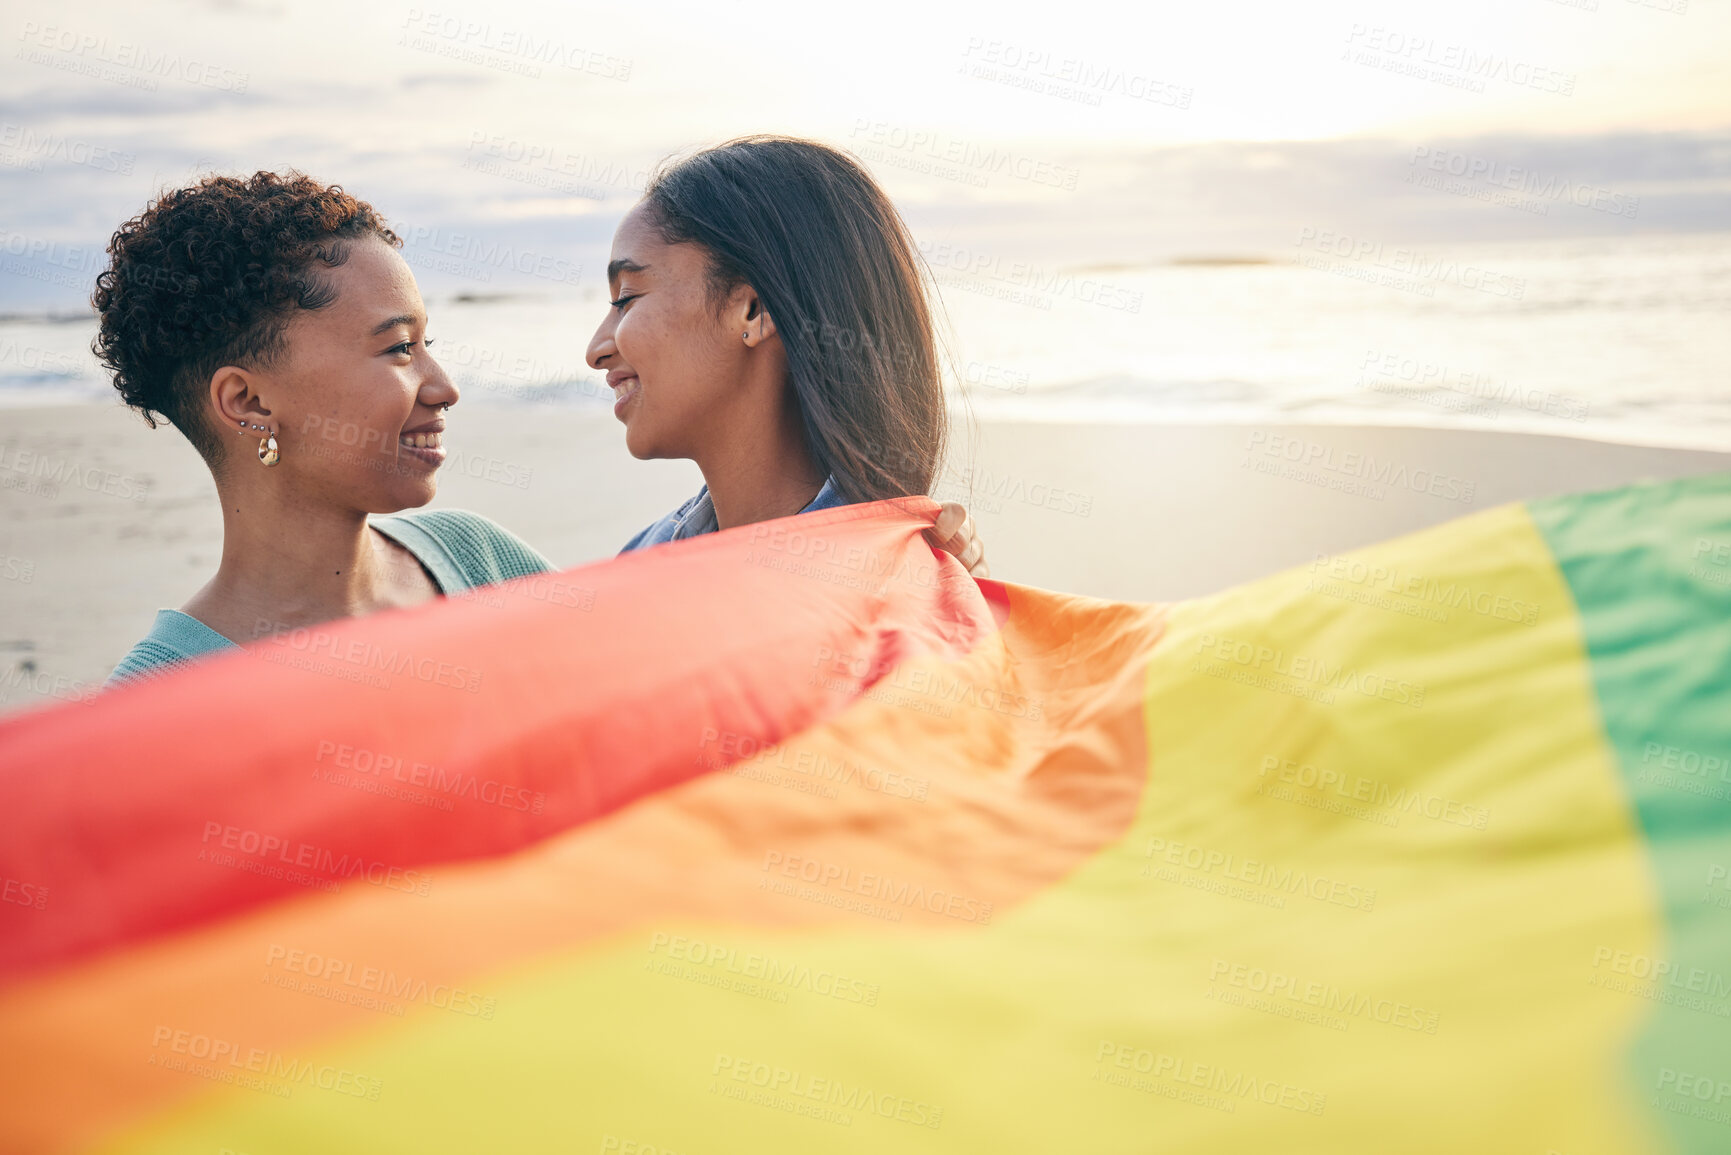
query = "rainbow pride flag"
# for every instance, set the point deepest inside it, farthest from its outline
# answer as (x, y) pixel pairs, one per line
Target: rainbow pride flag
(794, 838)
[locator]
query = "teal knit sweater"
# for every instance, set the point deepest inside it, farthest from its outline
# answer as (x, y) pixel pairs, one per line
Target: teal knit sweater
(462, 550)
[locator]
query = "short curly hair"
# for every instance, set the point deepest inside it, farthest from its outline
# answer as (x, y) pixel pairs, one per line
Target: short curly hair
(208, 276)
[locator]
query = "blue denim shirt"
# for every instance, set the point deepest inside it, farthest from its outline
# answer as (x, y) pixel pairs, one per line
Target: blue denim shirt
(698, 516)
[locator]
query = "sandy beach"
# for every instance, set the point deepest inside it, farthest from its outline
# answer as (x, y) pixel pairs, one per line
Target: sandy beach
(103, 521)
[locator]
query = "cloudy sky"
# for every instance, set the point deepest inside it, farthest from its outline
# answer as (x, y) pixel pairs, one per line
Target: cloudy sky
(1070, 132)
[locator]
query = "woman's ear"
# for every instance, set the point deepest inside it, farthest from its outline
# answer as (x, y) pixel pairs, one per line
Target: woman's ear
(234, 397)
(757, 326)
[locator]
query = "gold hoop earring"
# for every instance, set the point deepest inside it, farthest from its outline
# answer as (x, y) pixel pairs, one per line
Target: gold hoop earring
(268, 454)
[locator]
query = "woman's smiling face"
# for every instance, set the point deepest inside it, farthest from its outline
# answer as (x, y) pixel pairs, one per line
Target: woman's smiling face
(668, 351)
(356, 398)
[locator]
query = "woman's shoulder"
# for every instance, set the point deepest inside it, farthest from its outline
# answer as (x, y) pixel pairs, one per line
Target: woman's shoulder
(694, 517)
(481, 549)
(175, 639)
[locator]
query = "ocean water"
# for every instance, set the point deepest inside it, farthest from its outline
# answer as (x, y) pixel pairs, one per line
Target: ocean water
(1623, 338)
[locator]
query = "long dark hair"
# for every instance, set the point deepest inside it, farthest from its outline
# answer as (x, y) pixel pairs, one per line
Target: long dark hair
(833, 263)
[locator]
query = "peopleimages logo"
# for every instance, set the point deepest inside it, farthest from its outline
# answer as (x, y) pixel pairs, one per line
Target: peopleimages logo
(765, 968)
(1526, 181)
(877, 887)
(1443, 594)
(524, 50)
(932, 148)
(60, 147)
(372, 980)
(455, 784)
(1309, 669)
(729, 748)
(1072, 77)
(1225, 865)
(1369, 254)
(86, 53)
(356, 659)
(1667, 972)
(1376, 475)
(50, 476)
(1231, 1086)
(455, 249)
(1373, 793)
(801, 1089)
(1458, 65)
(1045, 284)
(263, 1065)
(20, 893)
(816, 554)
(320, 860)
(1329, 997)
(1422, 378)
(873, 676)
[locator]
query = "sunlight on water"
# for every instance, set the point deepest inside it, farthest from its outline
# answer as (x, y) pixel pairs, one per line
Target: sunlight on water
(1600, 337)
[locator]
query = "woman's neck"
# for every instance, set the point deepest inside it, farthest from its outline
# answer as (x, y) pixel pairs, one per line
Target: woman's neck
(287, 565)
(764, 473)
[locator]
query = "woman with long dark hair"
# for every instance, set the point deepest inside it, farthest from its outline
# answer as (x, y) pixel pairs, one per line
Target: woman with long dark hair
(769, 322)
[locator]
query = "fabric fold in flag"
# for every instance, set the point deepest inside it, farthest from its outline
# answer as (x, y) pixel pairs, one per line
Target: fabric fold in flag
(523, 686)
(794, 837)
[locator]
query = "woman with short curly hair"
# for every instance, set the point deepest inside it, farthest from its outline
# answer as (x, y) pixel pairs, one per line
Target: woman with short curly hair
(272, 321)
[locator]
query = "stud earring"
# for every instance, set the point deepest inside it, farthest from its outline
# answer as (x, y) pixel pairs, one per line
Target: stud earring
(746, 334)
